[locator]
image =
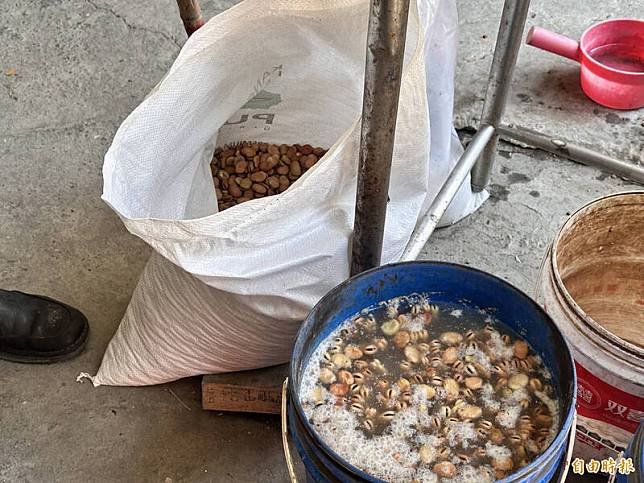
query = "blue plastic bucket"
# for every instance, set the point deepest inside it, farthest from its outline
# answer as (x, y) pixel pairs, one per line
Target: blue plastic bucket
(448, 283)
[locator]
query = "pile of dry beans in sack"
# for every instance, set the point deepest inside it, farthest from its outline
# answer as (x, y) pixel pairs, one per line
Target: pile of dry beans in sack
(239, 169)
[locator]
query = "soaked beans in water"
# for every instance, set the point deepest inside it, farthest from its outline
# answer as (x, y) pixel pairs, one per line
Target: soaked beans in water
(415, 391)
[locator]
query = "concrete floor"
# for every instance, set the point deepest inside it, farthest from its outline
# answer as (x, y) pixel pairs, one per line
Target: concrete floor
(546, 95)
(80, 68)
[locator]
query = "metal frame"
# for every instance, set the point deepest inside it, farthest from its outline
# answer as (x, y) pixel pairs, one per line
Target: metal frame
(479, 154)
(484, 142)
(482, 146)
(575, 152)
(506, 52)
(383, 71)
(426, 227)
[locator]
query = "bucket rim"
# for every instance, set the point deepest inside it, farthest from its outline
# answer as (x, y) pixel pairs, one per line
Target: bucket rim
(583, 45)
(590, 323)
(554, 446)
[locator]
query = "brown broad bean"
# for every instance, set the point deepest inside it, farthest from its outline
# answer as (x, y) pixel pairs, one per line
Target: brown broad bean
(245, 183)
(296, 169)
(248, 151)
(401, 339)
(241, 166)
(258, 177)
(520, 349)
(309, 161)
(273, 182)
(254, 170)
(291, 153)
(445, 469)
(234, 190)
(259, 188)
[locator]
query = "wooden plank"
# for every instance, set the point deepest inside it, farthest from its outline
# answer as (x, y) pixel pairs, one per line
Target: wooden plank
(257, 391)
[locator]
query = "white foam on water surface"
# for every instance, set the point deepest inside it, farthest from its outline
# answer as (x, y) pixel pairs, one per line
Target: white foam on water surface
(488, 397)
(507, 417)
(388, 456)
(495, 451)
(426, 475)
(498, 346)
(459, 434)
(470, 474)
(414, 324)
(479, 356)
(553, 407)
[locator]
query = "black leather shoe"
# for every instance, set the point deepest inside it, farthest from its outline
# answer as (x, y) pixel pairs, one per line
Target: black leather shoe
(39, 330)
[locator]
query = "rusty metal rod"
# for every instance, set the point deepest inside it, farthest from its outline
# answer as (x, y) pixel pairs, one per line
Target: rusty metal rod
(383, 71)
(508, 41)
(575, 152)
(190, 13)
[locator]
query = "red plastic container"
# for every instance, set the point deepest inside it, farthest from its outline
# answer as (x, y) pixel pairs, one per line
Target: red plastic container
(611, 54)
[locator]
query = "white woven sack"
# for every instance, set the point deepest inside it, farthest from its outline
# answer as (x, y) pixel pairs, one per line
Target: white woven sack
(228, 290)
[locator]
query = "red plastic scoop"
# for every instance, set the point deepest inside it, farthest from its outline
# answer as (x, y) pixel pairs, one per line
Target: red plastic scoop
(611, 54)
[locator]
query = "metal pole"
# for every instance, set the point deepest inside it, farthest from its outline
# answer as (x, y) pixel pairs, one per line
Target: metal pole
(566, 149)
(508, 42)
(449, 189)
(383, 70)
(190, 13)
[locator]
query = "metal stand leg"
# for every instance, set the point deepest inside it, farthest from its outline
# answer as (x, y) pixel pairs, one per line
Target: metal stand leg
(447, 192)
(505, 56)
(561, 147)
(482, 146)
(383, 70)
(190, 13)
